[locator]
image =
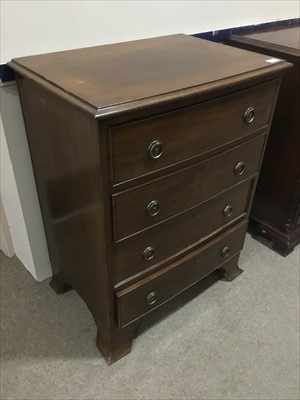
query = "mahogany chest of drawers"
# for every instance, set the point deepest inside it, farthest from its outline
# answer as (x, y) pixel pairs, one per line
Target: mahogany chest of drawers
(146, 156)
(275, 213)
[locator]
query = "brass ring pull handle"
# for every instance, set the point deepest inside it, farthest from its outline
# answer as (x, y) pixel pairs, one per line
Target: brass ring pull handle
(151, 298)
(149, 253)
(225, 251)
(155, 149)
(249, 115)
(153, 208)
(239, 169)
(227, 211)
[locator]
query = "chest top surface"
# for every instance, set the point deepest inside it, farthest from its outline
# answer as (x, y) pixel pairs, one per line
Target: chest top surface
(288, 37)
(147, 71)
(285, 41)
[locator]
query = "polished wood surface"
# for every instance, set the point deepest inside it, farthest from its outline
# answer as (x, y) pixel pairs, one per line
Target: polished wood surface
(84, 112)
(284, 42)
(276, 208)
(67, 171)
(195, 225)
(168, 128)
(143, 72)
(177, 277)
(201, 182)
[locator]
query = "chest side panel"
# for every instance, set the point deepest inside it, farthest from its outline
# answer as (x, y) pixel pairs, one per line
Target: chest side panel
(64, 147)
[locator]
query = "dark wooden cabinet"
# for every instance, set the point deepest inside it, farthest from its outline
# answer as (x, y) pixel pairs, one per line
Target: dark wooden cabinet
(146, 156)
(275, 212)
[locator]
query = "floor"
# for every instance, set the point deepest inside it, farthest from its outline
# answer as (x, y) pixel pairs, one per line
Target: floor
(236, 340)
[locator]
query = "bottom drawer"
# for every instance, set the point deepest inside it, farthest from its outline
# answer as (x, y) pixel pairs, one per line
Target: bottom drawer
(142, 297)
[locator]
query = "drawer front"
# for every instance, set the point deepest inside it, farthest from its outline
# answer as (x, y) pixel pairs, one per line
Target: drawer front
(147, 294)
(188, 132)
(140, 252)
(149, 204)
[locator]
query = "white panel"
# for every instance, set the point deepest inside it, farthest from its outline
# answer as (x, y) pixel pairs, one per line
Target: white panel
(6, 243)
(20, 157)
(12, 207)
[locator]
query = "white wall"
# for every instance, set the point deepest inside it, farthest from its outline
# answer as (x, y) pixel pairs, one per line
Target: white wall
(32, 27)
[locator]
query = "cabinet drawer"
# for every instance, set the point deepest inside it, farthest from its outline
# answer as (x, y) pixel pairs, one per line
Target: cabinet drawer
(139, 252)
(147, 294)
(134, 208)
(187, 132)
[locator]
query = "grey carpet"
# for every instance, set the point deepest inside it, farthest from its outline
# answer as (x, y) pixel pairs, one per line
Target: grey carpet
(220, 340)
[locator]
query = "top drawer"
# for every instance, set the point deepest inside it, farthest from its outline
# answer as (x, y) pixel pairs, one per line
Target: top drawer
(144, 146)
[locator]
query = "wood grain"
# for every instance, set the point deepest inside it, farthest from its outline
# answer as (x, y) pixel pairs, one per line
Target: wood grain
(276, 207)
(189, 187)
(125, 76)
(86, 110)
(184, 232)
(170, 281)
(201, 127)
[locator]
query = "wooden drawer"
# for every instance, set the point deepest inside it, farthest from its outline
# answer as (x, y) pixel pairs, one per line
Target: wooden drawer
(168, 282)
(132, 256)
(188, 132)
(188, 187)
